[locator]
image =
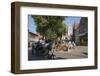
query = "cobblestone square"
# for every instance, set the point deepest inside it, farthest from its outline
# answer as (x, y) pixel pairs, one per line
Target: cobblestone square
(77, 52)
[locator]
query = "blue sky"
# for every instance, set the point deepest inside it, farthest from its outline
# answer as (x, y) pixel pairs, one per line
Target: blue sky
(31, 24)
(70, 20)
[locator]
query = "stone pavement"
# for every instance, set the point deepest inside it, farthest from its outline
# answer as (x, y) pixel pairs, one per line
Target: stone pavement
(77, 52)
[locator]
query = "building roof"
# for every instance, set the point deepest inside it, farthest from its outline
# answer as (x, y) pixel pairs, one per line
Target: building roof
(33, 33)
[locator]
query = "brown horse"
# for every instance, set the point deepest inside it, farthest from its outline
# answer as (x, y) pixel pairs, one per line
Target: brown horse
(61, 47)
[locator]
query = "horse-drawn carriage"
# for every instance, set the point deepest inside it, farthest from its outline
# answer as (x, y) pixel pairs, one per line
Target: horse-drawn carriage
(47, 49)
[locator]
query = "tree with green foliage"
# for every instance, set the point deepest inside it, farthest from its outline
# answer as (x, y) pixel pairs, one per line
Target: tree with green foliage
(51, 35)
(50, 27)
